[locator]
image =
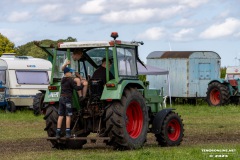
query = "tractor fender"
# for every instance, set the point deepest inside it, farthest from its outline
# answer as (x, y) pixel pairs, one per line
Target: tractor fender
(42, 91)
(218, 80)
(158, 120)
(116, 93)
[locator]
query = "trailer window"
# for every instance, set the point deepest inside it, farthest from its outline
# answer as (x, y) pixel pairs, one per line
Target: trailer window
(3, 76)
(32, 77)
(233, 76)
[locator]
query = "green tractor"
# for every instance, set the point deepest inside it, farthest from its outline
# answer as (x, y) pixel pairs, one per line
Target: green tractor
(121, 112)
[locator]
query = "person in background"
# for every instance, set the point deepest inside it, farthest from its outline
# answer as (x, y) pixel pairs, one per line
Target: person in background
(100, 73)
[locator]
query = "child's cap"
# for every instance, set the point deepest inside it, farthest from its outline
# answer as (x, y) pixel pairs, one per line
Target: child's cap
(66, 70)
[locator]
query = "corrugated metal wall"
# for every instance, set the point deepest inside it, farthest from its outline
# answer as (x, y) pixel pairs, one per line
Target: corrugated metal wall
(188, 77)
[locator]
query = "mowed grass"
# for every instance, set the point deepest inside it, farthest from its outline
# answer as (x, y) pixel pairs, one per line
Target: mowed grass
(210, 120)
(20, 125)
(205, 128)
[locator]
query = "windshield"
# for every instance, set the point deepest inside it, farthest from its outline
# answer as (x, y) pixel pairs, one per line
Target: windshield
(3, 76)
(32, 77)
(126, 62)
(97, 54)
(233, 76)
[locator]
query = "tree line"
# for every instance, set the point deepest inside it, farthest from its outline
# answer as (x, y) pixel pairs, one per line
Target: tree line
(28, 49)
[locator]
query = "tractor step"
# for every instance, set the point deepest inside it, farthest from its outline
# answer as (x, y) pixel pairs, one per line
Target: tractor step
(91, 139)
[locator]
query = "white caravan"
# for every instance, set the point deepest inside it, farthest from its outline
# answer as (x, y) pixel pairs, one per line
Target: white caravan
(23, 76)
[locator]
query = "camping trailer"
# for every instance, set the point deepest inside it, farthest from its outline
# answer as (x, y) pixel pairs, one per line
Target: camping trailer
(23, 77)
(189, 71)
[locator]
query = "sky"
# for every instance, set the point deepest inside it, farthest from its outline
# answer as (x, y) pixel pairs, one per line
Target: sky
(163, 25)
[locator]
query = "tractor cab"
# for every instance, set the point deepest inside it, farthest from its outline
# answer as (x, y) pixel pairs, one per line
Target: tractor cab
(124, 56)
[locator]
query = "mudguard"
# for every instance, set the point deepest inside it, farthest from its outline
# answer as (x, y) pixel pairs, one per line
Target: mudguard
(158, 120)
(218, 80)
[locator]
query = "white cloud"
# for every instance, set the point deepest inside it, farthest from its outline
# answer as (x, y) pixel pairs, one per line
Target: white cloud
(93, 7)
(184, 34)
(77, 20)
(227, 28)
(132, 16)
(135, 3)
(154, 33)
(52, 12)
(185, 22)
(140, 15)
(193, 3)
(13, 35)
(224, 14)
(238, 34)
(19, 16)
(32, 1)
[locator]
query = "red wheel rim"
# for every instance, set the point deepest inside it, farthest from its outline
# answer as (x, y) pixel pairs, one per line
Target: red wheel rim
(215, 96)
(134, 123)
(174, 130)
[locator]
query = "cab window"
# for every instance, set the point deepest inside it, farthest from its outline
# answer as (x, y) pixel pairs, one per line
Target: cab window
(126, 62)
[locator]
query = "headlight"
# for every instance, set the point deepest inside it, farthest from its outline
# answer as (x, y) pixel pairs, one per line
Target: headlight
(1, 97)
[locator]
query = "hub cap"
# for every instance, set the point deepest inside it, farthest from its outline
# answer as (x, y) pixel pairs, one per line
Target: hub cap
(174, 130)
(215, 96)
(134, 123)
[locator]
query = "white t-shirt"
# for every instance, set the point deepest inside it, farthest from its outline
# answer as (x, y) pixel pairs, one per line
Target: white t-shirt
(73, 65)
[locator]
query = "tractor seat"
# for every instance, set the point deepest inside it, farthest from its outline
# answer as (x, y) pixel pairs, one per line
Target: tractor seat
(96, 87)
(233, 82)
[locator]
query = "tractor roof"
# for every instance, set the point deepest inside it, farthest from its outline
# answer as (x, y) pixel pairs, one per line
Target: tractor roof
(93, 44)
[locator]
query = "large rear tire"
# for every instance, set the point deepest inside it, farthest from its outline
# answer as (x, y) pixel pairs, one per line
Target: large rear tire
(171, 131)
(38, 103)
(128, 120)
(51, 118)
(217, 94)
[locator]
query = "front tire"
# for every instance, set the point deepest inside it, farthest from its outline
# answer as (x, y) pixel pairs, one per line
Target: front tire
(128, 120)
(11, 107)
(38, 103)
(171, 131)
(217, 94)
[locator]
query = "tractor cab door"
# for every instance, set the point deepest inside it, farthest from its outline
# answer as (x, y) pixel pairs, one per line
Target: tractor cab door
(127, 65)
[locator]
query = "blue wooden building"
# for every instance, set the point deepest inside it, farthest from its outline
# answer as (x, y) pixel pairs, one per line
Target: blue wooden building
(189, 71)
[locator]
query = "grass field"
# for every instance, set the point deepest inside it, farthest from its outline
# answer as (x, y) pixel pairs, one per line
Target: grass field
(209, 131)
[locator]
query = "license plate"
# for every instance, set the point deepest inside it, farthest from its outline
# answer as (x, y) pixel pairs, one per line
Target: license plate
(53, 95)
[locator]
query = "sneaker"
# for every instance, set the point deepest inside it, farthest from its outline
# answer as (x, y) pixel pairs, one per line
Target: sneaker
(68, 134)
(58, 134)
(81, 99)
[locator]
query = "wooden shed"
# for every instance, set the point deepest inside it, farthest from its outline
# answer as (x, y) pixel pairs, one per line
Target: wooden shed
(189, 71)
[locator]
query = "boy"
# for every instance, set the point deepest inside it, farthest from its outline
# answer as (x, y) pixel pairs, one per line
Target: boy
(65, 108)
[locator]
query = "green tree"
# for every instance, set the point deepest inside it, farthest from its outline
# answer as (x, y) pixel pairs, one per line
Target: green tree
(223, 72)
(69, 39)
(6, 46)
(30, 49)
